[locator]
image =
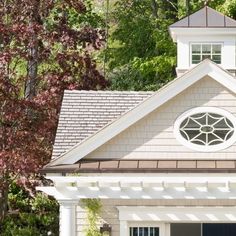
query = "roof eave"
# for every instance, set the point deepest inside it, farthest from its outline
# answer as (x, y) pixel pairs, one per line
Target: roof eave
(175, 32)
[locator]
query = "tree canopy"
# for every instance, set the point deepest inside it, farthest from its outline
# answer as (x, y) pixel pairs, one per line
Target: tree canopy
(47, 46)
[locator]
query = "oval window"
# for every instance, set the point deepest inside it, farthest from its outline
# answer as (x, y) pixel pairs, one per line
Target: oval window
(206, 129)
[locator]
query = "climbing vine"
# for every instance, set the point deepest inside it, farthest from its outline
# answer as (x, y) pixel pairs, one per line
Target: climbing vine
(93, 207)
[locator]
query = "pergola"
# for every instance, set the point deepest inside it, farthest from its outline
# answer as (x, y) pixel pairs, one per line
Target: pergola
(68, 190)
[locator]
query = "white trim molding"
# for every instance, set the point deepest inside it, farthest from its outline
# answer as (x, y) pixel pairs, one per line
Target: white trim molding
(175, 32)
(176, 214)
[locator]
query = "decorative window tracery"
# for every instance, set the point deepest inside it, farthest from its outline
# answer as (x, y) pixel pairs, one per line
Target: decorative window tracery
(206, 129)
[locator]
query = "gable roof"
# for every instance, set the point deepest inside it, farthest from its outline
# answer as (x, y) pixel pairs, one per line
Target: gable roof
(154, 101)
(206, 18)
(83, 113)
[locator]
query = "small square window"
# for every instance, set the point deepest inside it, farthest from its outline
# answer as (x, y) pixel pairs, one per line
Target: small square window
(206, 49)
(196, 48)
(216, 49)
(203, 51)
(196, 59)
(216, 59)
(144, 231)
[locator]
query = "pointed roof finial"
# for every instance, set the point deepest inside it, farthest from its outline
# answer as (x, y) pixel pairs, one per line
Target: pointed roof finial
(206, 2)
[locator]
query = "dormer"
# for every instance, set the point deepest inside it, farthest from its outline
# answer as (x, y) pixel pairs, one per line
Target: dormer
(205, 34)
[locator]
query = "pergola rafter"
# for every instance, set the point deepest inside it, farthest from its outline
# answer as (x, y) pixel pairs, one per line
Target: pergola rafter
(151, 187)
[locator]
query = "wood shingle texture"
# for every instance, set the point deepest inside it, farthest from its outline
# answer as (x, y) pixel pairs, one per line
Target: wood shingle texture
(83, 113)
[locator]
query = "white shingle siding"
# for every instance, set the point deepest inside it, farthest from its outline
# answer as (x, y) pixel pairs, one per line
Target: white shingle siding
(153, 138)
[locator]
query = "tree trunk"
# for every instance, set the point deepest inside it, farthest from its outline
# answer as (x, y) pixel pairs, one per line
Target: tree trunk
(154, 8)
(30, 87)
(187, 8)
(3, 201)
(32, 68)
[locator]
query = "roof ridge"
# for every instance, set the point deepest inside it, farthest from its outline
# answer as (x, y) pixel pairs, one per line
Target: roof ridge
(106, 91)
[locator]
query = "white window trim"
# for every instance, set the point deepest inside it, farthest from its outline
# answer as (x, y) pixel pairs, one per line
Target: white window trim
(203, 42)
(202, 148)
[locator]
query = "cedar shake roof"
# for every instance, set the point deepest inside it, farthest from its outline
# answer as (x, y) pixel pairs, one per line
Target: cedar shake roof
(205, 18)
(83, 113)
(149, 166)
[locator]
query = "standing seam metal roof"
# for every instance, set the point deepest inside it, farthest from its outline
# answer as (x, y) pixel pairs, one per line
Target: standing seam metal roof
(205, 18)
(83, 113)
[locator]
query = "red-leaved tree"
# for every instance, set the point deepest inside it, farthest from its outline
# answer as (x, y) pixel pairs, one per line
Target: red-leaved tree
(45, 47)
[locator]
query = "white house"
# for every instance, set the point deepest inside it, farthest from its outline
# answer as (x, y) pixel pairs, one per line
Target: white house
(163, 163)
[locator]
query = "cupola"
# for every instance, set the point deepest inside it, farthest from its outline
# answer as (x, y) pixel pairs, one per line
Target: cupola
(205, 34)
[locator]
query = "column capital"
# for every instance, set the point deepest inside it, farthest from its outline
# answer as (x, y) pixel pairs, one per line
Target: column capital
(68, 202)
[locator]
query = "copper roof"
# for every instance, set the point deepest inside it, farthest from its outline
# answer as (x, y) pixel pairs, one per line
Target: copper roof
(205, 18)
(150, 166)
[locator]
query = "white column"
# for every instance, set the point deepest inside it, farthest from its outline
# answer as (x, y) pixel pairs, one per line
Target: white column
(68, 217)
(124, 230)
(167, 229)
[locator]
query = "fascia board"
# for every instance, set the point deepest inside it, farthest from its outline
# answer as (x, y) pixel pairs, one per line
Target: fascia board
(184, 31)
(223, 77)
(180, 213)
(159, 98)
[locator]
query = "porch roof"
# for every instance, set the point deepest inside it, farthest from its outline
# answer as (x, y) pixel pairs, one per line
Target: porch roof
(151, 166)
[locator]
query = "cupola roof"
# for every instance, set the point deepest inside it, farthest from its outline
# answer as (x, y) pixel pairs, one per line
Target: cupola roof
(205, 18)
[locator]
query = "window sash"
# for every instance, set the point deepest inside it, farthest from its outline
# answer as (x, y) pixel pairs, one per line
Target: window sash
(201, 51)
(144, 231)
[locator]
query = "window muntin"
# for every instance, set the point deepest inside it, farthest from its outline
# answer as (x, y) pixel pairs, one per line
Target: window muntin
(206, 129)
(144, 231)
(201, 51)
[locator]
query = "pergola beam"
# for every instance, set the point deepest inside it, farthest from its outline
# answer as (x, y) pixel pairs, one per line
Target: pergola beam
(119, 187)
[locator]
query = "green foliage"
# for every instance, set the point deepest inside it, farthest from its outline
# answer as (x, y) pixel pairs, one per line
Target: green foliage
(228, 8)
(75, 19)
(141, 53)
(143, 74)
(30, 215)
(93, 207)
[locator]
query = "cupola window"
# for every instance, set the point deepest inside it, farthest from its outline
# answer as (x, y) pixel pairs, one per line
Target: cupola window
(201, 51)
(206, 129)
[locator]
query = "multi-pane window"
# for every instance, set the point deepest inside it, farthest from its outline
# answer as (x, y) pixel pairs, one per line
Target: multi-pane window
(206, 129)
(201, 51)
(144, 231)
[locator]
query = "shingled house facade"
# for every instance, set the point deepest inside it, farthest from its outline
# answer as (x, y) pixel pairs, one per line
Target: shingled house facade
(162, 163)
